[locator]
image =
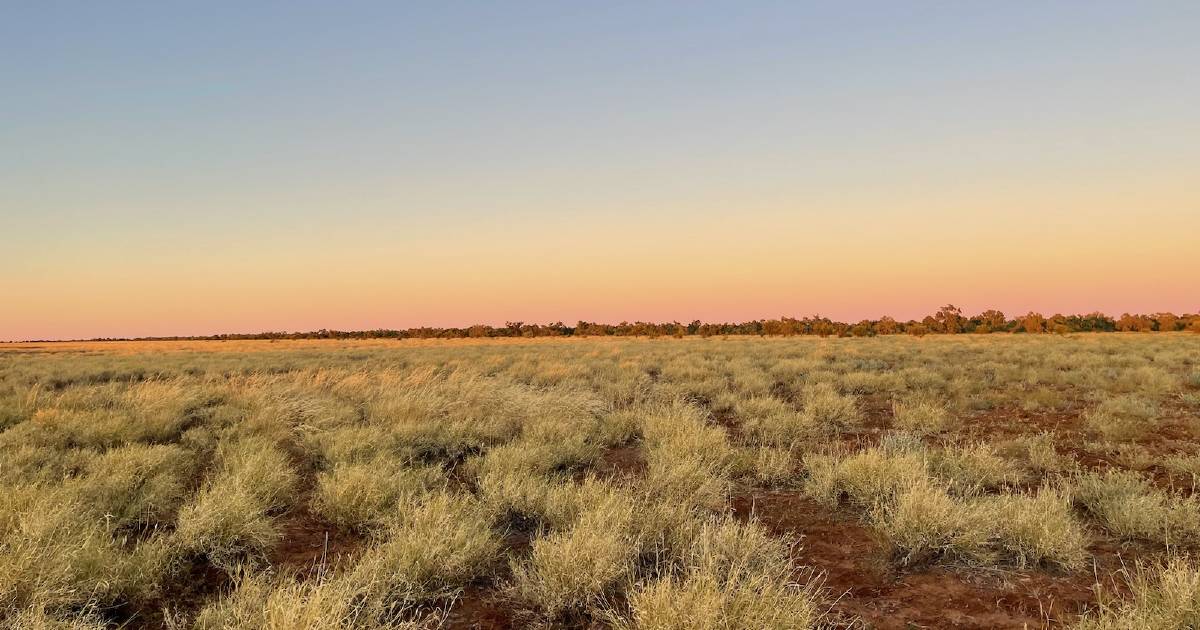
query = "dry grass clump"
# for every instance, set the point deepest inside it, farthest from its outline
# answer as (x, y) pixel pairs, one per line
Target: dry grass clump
(681, 431)
(360, 496)
(135, 485)
(32, 464)
(435, 545)
(57, 555)
(1165, 596)
(1038, 528)
(864, 479)
(972, 470)
(867, 382)
(1036, 453)
(924, 520)
(529, 456)
(920, 415)
(1149, 381)
(925, 523)
(688, 460)
(1126, 417)
(229, 521)
(153, 411)
(1188, 465)
(433, 416)
(768, 420)
(283, 603)
(527, 501)
(35, 618)
(689, 482)
(228, 525)
(571, 571)
(732, 576)
(1128, 505)
(826, 411)
(774, 467)
(1131, 456)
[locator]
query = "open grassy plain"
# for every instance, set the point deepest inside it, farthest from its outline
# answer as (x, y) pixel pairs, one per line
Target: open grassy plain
(974, 481)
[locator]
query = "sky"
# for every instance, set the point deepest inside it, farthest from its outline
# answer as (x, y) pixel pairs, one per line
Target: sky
(195, 168)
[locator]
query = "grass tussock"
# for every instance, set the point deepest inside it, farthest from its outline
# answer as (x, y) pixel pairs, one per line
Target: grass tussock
(920, 415)
(931, 506)
(269, 602)
(1036, 453)
(1127, 504)
(973, 470)
(435, 545)
(1165, 595)
(924, 523)
(230, 521)
(571, 571)
(826, 411)
(733, 576)
(362, 496)
(864, 479)
(1121, 418)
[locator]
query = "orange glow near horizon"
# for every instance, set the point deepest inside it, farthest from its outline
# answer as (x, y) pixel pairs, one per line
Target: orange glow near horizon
(713, 268)
(242, 169)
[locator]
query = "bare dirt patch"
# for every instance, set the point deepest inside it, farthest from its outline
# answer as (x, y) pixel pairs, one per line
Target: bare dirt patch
(863, 583)
(628, 461)
(481, 608)
(309, 543)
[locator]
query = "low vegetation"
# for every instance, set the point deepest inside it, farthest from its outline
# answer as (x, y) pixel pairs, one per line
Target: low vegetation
(634, 483)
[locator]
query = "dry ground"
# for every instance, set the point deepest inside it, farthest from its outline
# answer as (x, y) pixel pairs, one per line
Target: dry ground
(991, 481)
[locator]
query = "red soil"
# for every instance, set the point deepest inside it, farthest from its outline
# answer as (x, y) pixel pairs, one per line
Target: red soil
(859, 576)
(309, 543)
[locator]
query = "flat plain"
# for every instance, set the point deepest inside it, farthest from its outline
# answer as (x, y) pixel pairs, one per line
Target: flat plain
(968, 481)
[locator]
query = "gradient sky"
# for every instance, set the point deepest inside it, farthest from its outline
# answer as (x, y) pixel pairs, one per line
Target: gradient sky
(189, 168)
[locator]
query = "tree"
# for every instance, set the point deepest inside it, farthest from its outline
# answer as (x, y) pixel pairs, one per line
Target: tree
(990, 320)
(950, 319)
(887, 326)
(1033, 323)
(1134, 323)
(1166, 321)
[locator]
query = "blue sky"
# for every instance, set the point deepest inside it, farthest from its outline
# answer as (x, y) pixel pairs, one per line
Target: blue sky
(147, 138)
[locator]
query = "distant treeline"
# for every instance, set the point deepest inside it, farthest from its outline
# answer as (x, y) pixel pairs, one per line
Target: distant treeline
(948, 320)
